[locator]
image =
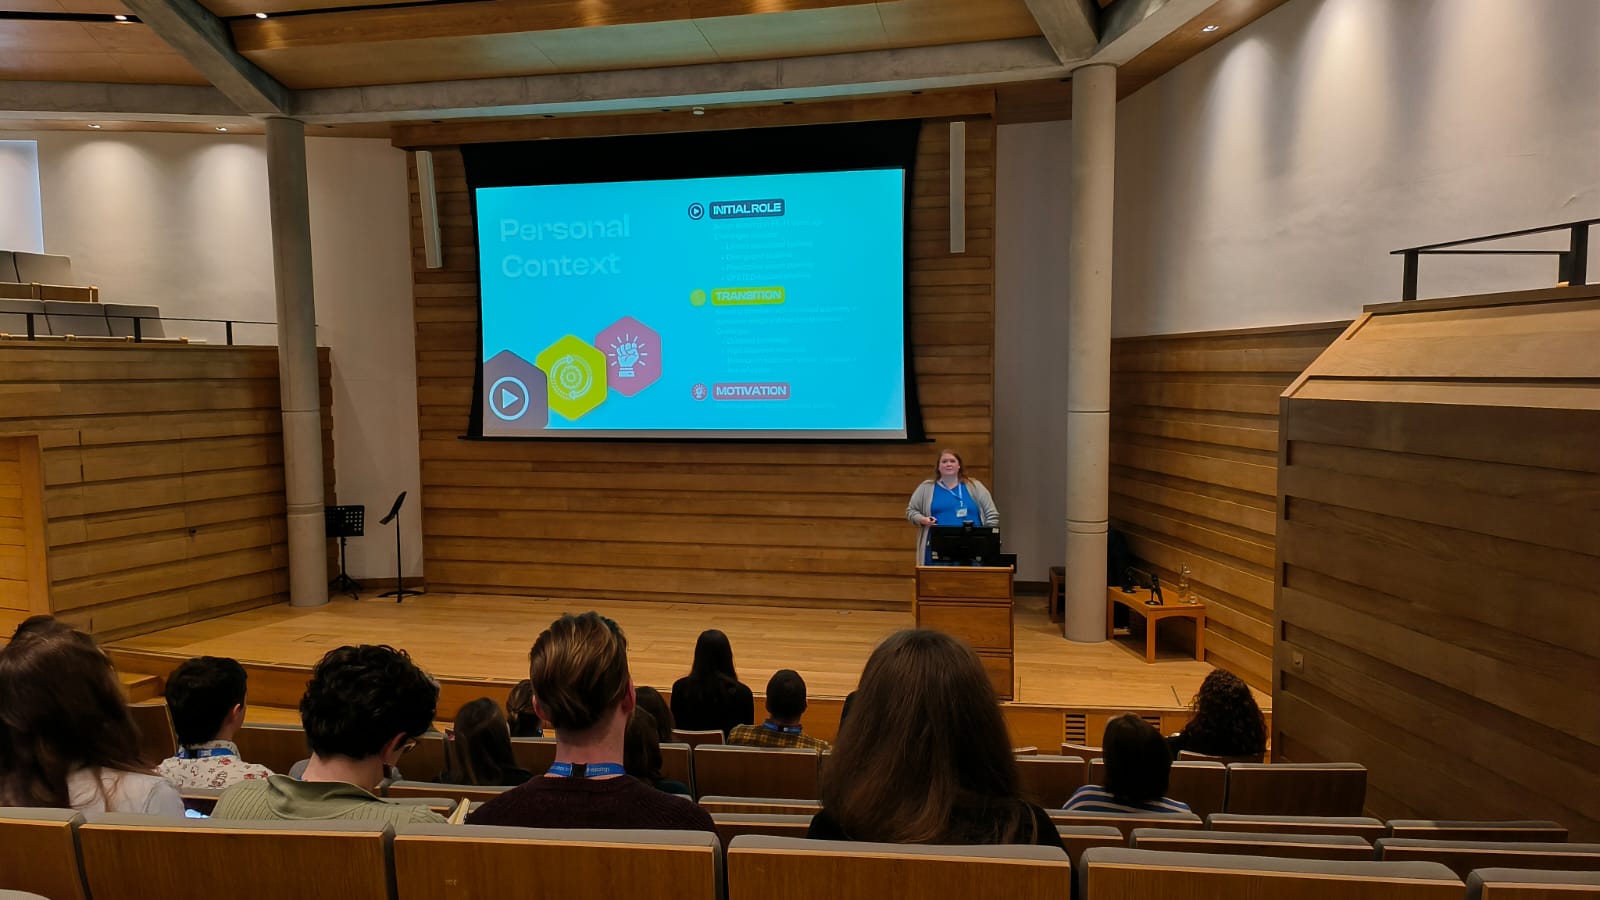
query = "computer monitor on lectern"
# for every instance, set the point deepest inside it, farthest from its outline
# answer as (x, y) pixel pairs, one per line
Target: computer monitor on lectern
(965, 545)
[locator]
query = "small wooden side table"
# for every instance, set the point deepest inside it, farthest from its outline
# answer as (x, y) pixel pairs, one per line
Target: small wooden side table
(1174, 608)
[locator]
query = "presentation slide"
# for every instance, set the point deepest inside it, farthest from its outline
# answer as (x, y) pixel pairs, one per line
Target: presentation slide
(757, 306)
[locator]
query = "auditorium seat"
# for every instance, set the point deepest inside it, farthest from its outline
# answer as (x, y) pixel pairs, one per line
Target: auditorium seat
(1202, 786)
(677, 764)
(1084, 750)
(70, 317)
(732, 771)
(1111, 873)
(1049, 780)
(1206, 757)
(122, 318)
(426, 761)
(134, 857)
(431, 789)
(762, 805)
(278, 747)
(1464, 856)
(8, 267)
(1078, 838)
(14, 316)
(43, 268)
(534, 754)
(1455, 830)
(848, 870)
(1531, 884)
(200, 800)
(39, 854)
(432, 861)
(1125, 822)
(696, 738)
(1253, 843)
(731, 825)
(1364, 827)
(156, 740)
(1297, 789)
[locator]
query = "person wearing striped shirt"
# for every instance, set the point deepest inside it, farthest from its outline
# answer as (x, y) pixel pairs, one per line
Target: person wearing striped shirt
(1138, 766)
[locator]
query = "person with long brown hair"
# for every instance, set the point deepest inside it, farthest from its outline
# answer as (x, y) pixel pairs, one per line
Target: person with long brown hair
(925, 757)
(67, 739)
(480, 748)
(1226, 722)
(711, 696)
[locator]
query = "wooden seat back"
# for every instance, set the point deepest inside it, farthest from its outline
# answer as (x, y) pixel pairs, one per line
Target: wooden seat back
(440, 861)
(156, 739)
(133, 857)
(1206, 757)
(1364, 827)
(278, 747)
(427, 760)
(1125, 823)
(730, 771)
(696, 738)
(731, 825)
(677, 763)
(39, 854)
(473, 792)
(1529, 884)
(1127, 874)
(534, 754)
(1297, 789)
(1456, 830)
(1464, 856)
(1246, 843)
(1078, 838)
(1048, 781)
(846, 870)
(760, 805)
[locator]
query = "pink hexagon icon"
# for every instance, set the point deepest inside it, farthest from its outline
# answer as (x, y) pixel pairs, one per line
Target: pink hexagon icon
(633, 355)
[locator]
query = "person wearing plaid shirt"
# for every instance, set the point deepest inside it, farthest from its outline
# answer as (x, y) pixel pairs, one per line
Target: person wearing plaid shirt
(786, 703)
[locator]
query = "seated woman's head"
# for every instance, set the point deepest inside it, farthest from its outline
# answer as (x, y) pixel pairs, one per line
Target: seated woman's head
(713, 657)
(61, 709)
(924, 756)
(1227, 721)
(1138, 763)
(651, 701)
(641, 747)
(480, 742)
(579, 671)
(520, 716)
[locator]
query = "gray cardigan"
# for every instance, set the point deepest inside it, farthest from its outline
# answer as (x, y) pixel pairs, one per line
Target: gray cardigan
(922, 502)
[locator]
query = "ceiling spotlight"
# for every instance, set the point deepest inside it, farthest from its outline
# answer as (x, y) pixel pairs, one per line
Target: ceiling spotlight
(1210, 28)
(94, 124)
(699, 110)
(261, 15)
(120, 18)
(222, 128)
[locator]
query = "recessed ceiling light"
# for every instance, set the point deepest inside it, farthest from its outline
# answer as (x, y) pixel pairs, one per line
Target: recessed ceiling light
(94, 124)
(120, 18)
(699, 110)
(222, 128)
(261, 15)
(1210, 28)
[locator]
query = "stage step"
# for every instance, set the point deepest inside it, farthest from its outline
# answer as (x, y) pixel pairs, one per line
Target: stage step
(140, 687)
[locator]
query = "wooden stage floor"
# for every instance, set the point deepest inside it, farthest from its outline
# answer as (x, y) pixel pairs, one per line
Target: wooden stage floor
(472, 636)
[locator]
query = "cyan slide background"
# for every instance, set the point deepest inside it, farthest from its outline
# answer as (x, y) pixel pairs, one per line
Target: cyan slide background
(841, 325)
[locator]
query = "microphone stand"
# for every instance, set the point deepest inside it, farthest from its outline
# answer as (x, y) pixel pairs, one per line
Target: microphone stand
(399, 593)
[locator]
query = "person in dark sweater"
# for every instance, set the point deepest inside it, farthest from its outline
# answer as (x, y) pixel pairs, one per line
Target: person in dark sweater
(925, 757)
(711, 695)
(579, 670)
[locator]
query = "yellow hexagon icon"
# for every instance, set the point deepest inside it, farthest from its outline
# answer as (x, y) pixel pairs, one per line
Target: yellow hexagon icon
(576, 374)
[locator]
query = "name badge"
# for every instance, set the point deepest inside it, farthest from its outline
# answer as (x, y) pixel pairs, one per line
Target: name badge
(961, 512)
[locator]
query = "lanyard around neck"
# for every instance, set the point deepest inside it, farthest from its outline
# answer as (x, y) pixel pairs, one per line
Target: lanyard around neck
(590, 770)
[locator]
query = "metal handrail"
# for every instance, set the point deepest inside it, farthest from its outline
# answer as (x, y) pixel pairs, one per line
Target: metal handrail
(137, 336)
(1572, 264)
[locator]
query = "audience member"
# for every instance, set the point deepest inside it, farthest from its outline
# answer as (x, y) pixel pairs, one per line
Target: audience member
(1137, 769)
(521, 718)
(67, 739)
(711, 695)
(480, 747)
(925, 757)
(363, 709)
(1226, 720)
(641, 753)
(786, 703)
(205, 696)
(651, 701)
(579, 670)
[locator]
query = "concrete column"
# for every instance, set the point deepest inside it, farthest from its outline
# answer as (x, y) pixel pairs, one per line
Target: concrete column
(1092, 185)
(297, 360)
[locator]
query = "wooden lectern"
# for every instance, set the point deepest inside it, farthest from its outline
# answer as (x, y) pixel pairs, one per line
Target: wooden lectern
(972, 603)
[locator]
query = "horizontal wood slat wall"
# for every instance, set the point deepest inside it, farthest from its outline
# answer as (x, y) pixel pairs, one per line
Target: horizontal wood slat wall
(703, 521)
(163, 487)
(1439, 556)
(1194, 437)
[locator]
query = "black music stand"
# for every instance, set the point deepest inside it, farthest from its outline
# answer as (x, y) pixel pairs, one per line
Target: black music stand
(399, 593)
(344, 522)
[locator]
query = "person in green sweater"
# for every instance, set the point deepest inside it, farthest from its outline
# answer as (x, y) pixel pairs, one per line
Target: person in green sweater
(363, 709)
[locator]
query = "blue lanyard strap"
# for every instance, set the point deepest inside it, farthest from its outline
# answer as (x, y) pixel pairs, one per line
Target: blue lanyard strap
(781, 729)
(203, 752)
(580, 770)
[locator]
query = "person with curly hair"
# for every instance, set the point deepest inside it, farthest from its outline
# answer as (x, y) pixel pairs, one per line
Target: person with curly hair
(1226, 721)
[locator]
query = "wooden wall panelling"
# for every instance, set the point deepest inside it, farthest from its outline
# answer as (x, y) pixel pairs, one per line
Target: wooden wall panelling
(162, 468)
(1194, 466)
(688, 521)
(1438, 559)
